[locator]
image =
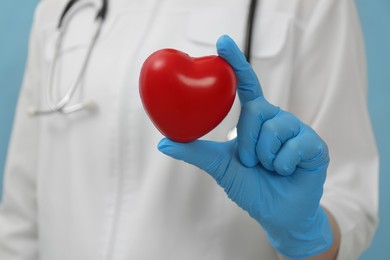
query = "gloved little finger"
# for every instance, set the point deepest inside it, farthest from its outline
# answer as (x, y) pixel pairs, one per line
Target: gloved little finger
(306, 152)
(274, 133)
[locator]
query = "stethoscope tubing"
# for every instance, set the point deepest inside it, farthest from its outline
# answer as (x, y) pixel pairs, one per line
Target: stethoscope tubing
(71, 9)
(70, 92)
(249, 30)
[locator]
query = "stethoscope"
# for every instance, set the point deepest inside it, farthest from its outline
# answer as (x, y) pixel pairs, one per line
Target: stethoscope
(62, 105)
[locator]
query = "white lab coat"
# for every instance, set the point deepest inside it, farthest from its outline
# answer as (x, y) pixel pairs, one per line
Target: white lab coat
(93, 185)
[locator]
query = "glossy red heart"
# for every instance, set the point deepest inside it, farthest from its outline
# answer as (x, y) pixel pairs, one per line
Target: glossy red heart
(186, 97)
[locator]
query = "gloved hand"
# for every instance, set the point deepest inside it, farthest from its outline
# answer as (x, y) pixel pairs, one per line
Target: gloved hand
(275, 168)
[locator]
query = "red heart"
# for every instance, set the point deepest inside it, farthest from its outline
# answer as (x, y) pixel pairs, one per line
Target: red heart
(186, 97)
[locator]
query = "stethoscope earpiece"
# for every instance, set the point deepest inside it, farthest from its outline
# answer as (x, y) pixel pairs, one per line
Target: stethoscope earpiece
(88, 105)
(32, 111)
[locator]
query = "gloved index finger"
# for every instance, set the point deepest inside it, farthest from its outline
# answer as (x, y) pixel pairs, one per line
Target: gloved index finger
(248, 85)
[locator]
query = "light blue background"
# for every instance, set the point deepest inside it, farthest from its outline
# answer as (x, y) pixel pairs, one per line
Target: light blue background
(375, 16)
(15, 25)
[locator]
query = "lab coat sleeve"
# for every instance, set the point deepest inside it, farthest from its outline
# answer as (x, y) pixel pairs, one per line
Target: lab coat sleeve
(18, 208)
(329, 92)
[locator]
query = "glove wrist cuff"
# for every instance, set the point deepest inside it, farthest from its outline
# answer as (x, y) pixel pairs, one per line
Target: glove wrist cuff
(310, 238)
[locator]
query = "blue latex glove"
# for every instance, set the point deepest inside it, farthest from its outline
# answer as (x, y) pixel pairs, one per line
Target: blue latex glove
(275, 168)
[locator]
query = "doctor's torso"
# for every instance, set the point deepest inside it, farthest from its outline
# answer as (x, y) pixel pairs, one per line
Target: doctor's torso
(104, 190)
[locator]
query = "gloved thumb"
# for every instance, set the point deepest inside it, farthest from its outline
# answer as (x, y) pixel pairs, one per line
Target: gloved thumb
(206, 155)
